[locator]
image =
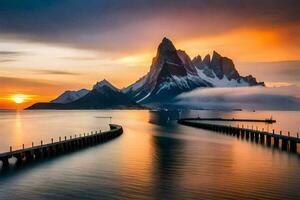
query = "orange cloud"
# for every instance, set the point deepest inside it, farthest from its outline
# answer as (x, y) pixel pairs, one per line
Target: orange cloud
(244, 44)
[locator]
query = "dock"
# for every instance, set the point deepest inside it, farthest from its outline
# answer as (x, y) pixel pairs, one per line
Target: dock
(269, 121)
(62, 146)
(288, 142)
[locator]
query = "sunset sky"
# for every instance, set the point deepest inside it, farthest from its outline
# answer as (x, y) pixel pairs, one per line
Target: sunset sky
(49, 46)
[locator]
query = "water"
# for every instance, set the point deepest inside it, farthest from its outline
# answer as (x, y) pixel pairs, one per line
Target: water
(149, 161)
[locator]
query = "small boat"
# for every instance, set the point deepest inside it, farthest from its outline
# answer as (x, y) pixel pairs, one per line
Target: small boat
(270, 120)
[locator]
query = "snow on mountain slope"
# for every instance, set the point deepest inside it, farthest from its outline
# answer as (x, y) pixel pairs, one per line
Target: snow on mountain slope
(70, 96)
(135, 86)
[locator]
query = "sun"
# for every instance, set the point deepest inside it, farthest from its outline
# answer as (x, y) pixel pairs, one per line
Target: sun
(18, 98)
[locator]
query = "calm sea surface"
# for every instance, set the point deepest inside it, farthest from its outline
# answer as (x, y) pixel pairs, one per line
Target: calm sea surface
(149, 161)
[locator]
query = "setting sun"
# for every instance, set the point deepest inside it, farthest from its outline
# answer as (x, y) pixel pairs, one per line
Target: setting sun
(18, 99)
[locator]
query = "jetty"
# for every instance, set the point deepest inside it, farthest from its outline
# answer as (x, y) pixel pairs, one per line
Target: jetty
(61, 146)
(269, 121)
(287, 142)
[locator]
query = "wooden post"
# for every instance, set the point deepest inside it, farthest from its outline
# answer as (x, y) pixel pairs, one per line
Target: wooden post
(32, 144)
(284, 143)
(23, 146)
(247, 135)
(60, 139)
(262, 138)
(293, 146)
(5, 162)
(268, 140)
(10, 148)
(242, 134)
(41, 142)
(276, 142)
(52, 140)
(256, 136)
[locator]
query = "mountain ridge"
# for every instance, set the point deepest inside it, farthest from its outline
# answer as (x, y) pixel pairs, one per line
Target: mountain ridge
(103, 96)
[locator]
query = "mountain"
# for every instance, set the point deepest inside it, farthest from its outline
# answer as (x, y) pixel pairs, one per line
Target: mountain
(103, 96)
(173, 72)
(70, 96)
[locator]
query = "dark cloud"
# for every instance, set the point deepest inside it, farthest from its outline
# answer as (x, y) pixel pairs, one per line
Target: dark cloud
(9, 56)
(55, 72)
(114, 24)
(9, 53)
(79, 58)
(7, 60)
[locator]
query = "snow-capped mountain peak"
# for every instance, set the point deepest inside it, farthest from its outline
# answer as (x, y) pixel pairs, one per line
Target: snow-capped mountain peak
(70, 96)
(173, 72)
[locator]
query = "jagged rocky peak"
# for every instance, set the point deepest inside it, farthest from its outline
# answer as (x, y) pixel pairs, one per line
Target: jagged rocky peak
(197, 60)
(188, 64)
(166, 46)
(166, 62)
(201, 64)
(104, 84)
(206, 60)
(251, 80)
(223, 66)
(167, 52)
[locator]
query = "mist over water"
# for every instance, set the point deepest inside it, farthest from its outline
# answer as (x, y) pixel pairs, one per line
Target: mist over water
(150, 160)
(262, 98)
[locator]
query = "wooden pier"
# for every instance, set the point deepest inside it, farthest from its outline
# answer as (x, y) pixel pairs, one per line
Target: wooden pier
(287, 142)
(62, 146)
(269, 121)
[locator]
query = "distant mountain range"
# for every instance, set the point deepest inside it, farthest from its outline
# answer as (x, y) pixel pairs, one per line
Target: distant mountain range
(102, 96)
(172, 72)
